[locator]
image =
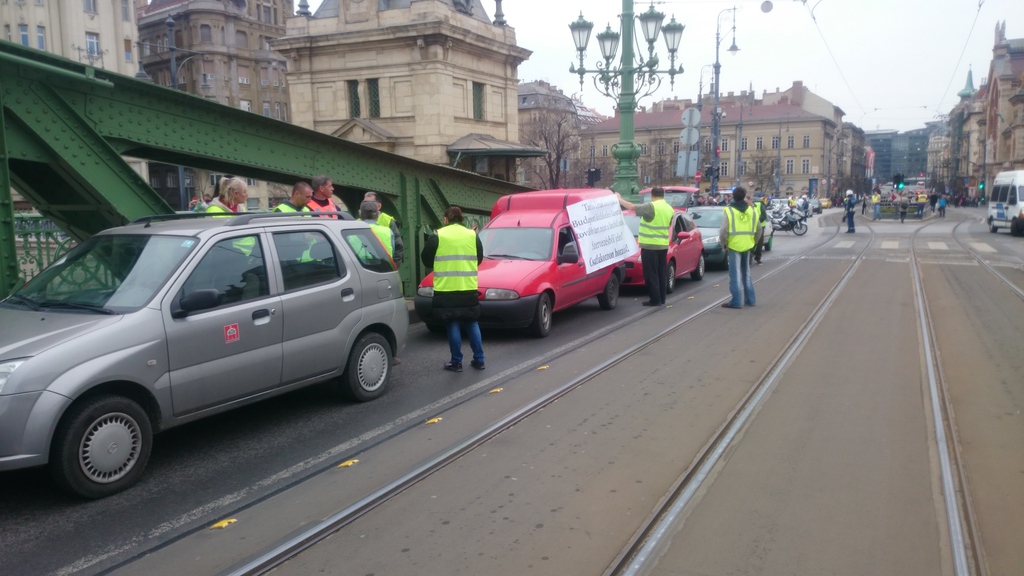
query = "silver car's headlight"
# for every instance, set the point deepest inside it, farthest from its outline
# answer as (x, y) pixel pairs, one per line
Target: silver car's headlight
(499, 294)
(7, 368)
(425, 291)
(711, 240)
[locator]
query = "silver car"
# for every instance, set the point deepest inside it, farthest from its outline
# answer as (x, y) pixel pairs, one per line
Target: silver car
(162, 322)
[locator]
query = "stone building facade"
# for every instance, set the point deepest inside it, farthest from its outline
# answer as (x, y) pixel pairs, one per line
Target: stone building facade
(100, 33)
(222, 53)
(1004, 102)
(411, 77)
(781, 145)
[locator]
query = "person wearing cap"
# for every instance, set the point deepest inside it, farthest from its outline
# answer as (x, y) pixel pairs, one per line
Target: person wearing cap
(851, 210)
(369, 213)
(390, 223)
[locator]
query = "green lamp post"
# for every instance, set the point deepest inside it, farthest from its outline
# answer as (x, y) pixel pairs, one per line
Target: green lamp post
(632, 79)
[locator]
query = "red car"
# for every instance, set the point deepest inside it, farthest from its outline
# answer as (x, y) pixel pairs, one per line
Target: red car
(685, 251)
(531, 265)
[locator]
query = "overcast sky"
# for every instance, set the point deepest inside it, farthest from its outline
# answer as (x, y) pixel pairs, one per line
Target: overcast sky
(888, 64)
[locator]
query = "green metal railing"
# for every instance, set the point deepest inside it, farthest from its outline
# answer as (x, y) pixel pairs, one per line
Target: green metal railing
(38, 243)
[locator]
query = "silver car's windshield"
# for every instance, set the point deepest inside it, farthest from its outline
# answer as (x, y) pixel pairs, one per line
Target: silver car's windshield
(517, 243)
(106, 275)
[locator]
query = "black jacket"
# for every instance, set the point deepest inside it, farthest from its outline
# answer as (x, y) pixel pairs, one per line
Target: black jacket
(457, 305)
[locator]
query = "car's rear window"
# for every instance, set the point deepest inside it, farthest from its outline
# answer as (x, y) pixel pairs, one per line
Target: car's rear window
(707, 218)
(368, 250)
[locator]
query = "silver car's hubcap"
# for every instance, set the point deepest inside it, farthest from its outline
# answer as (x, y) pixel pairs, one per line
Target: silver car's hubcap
(110, 448)
(372, 367)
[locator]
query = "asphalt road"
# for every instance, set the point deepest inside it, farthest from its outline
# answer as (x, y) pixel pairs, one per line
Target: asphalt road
(269, 464)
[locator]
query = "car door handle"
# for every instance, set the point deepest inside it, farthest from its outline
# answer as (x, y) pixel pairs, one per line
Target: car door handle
(261, 313)
(347, 292)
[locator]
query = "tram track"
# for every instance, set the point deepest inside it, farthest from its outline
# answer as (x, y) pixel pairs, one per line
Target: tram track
(654, 527)
(642, 553)
(644, 546)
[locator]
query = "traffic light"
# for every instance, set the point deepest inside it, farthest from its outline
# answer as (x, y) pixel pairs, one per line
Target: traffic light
(981, 184)
(593, 176)
(707, 173)
(718, 171)
(897, 181)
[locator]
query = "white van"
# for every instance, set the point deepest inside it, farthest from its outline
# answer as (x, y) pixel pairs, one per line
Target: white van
(1005, 206)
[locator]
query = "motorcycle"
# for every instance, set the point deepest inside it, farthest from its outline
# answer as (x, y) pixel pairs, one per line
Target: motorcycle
(789, 220)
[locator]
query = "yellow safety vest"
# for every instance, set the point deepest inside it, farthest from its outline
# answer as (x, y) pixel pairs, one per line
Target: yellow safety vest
(757, 214)
(742, 229)
(876, 198)
(654, 234)
(384, 220)
(219, 211)
(383, 234)
(284, 207)
(455, 260)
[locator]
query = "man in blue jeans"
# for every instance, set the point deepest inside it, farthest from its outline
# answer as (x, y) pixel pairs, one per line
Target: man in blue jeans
(454, 254)
(738, 233)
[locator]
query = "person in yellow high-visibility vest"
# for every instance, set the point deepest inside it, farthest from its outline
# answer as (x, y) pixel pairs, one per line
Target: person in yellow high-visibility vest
(454, 253)
(738, 233)
(655, 226)
(389, 222)
(231, 199)
(369, 213)
(299, 200)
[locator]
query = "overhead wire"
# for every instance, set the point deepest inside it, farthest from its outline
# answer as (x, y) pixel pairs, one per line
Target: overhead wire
(831, 55)
(957, 67)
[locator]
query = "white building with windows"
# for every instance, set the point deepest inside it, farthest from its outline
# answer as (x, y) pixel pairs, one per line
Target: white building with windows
(100, 33)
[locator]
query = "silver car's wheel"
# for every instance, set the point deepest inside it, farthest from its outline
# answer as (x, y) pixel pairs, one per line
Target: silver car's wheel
(369, 367)
(101, 446)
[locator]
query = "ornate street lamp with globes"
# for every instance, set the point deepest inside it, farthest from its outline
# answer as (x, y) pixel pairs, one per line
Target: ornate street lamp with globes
(632, 79)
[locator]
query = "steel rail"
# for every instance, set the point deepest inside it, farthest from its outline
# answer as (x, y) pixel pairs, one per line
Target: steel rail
(642, 552)
(941, 414)
(294, 546)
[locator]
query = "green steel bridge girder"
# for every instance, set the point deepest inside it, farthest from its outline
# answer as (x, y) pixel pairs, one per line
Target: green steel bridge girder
(65, 127)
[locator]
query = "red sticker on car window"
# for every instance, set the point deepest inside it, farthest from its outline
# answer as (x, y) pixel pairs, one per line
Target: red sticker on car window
(230, 333)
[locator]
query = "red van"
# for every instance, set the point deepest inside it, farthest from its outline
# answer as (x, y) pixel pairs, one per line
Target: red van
(532, 265)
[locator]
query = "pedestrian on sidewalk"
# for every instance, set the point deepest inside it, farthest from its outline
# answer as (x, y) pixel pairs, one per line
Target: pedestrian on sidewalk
(454, 253)
(904, 203)
(942, 206)
(737, 233)
(876, 204)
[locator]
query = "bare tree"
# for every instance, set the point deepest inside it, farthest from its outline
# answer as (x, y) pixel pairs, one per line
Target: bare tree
(556, 131)
(762, 169)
